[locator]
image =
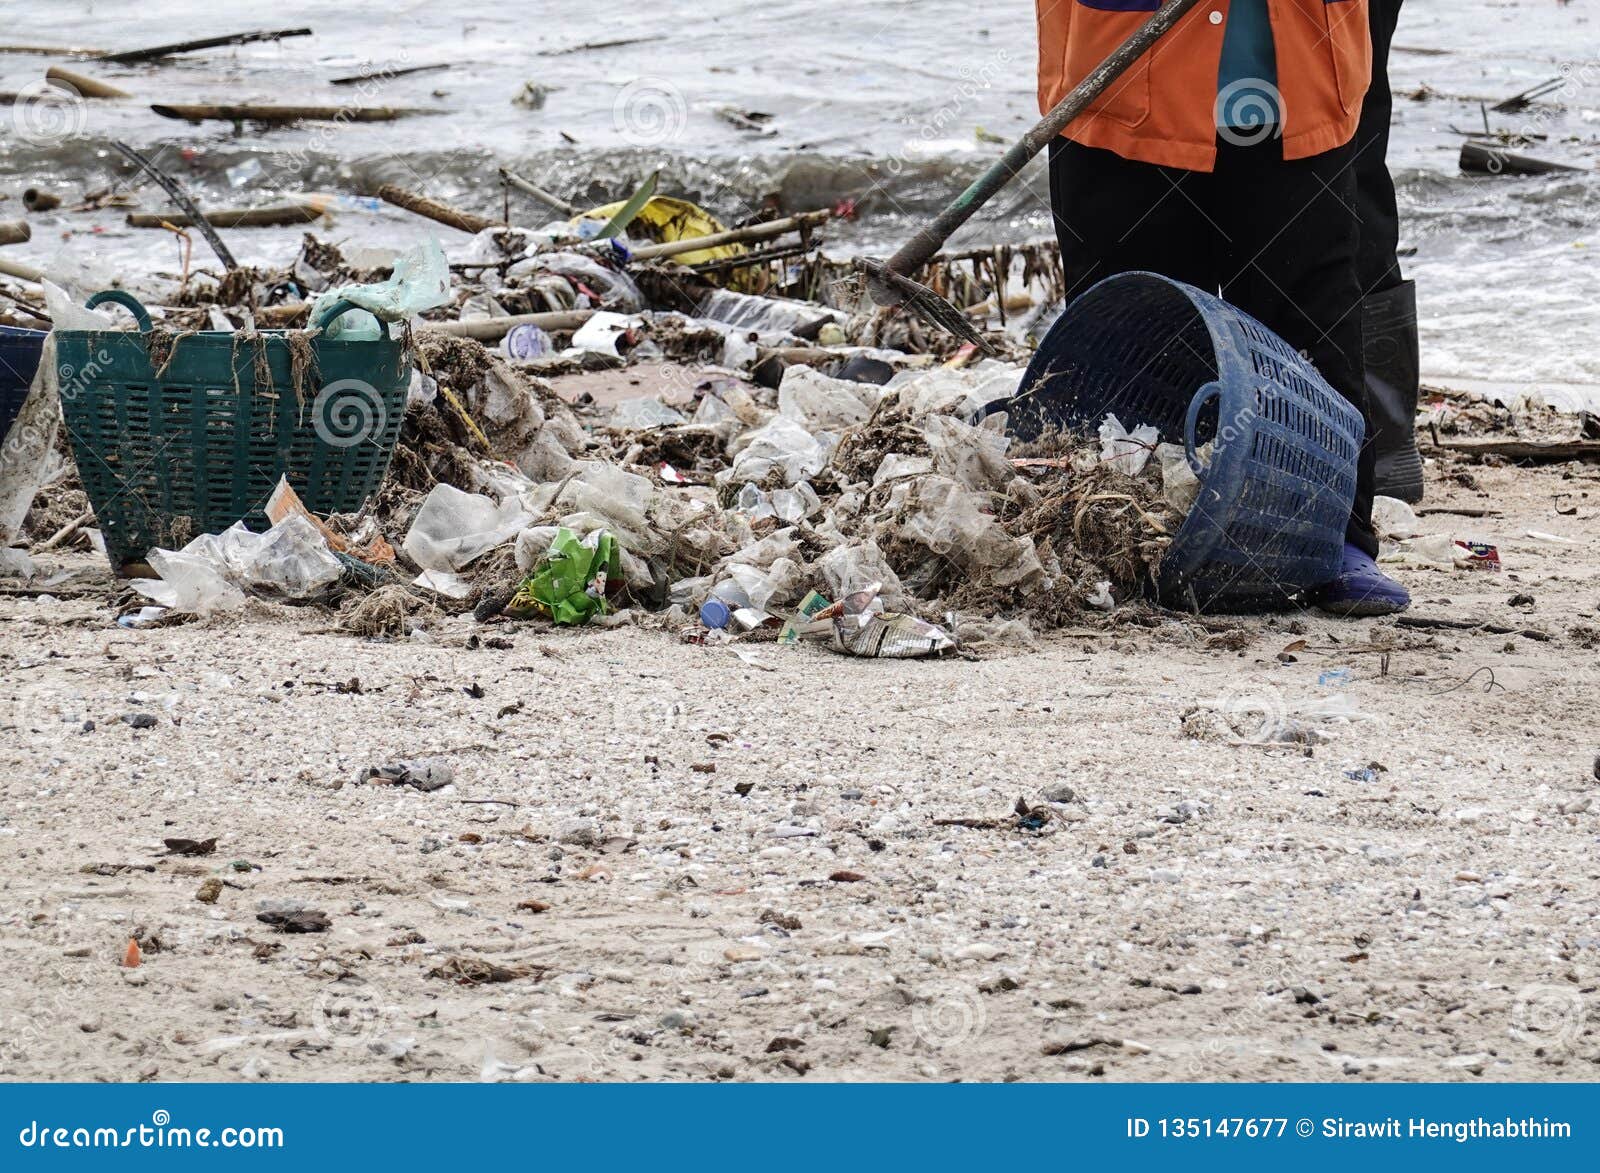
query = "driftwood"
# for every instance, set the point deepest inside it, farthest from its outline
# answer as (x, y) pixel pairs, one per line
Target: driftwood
(181, 198)
(51, 50)
(494, 329)
(1541, 450)
(356, 79)
(36, 199)
(203, 112)
(14, 231)
(434, 210)
(156, 52)
(512, 179)
(271, 215)
(1480, 158)
(83, 86)
(767, 231)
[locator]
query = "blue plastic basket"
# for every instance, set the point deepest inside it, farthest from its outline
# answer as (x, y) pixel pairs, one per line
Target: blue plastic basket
(19, 359)
(1275, 497)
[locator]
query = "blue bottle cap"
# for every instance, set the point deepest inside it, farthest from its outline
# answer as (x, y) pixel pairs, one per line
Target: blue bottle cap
(714, 614)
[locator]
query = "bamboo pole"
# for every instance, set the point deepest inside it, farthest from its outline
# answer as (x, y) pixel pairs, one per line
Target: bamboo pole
(441, 213)
(512, 179)
(272, 215)
(83, 86)
(36, 199)
(494, 329)
(755, 232)
(21, 271)
(15, 231)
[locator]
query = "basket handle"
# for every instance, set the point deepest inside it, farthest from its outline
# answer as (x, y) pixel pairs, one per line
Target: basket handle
(1201, 397)
(128, 302)
(343, 306)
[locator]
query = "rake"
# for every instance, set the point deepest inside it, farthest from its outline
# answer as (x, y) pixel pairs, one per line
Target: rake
(890, 283)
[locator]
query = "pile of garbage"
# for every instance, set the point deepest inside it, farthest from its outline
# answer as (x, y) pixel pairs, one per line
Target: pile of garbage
(879, 519)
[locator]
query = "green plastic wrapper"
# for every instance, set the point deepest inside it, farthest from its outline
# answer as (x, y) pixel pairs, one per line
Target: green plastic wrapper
(569, 585)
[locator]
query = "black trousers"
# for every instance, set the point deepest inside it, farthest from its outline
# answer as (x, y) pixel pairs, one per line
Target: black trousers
(1278, 239)
(1376, 264)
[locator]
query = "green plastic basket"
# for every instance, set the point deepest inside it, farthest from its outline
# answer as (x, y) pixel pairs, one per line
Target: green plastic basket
(197, 443)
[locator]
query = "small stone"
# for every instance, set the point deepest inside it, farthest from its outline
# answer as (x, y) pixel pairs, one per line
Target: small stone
(1577, 806)
(533, 906)
(578, 832)
(138, 720)
(209, 891)
(1165, 875)
(1098, 861)
(1060, 792)
(742, 953)
(846, 877)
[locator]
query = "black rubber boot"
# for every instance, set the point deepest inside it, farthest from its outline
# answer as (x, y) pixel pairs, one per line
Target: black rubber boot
(1389, 322)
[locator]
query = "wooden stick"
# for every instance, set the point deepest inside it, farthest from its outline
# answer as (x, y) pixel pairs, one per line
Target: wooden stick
(156, 52)
(356, 79)
(83, 86)
(1523, 449)
(512, 179)
(181, 198)
(494, 329)
(15, 231)
(65, 533)
(204, 112)
(273, 214)
(434, 210)
(767, 231)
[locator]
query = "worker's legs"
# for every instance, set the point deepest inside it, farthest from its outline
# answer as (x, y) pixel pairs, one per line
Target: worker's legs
(1292, 237)
(1389, 311)
(1115, 215)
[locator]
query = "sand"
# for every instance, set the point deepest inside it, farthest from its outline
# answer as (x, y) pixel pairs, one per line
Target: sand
(1414, 898)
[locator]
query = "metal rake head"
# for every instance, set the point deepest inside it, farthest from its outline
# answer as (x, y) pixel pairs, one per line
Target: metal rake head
(889, 288)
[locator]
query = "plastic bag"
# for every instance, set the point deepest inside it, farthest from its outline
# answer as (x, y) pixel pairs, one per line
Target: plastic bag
(605, 333)
(1179, 485)
(974, 457)
(453, 528)
(421, 281)
(848, 569)
(762, 315)
(946, 518)
(821, 403)
(1123, 450)
(189, 583)
(570, 585)
(647, 412)
(781, 444)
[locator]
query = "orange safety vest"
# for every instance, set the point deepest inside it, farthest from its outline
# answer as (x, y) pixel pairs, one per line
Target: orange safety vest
(1163, 110)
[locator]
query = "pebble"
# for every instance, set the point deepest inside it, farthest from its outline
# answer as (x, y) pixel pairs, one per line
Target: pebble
(1577, 806)
(1165, 875)
(139, 720)
(1060, 792)
(578, 832)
